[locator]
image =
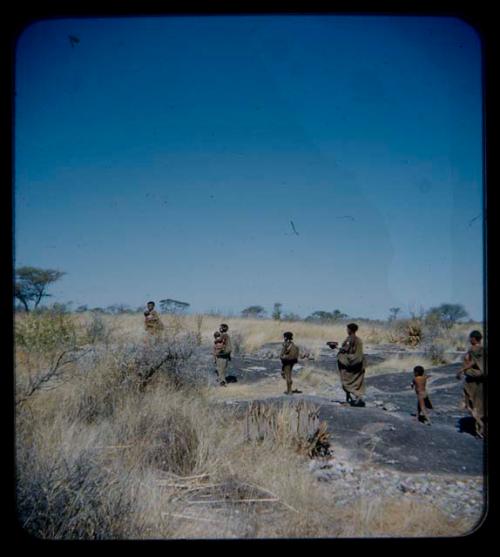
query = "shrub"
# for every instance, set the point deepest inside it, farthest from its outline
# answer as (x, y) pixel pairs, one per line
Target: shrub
(435, 353)
(293, 425)
(97, 330)
(47, 344)
(70, 498)
(170, 441)
(45, 333)
(406, 331)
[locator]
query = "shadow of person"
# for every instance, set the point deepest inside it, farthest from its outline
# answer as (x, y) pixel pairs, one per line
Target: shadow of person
(467, 425)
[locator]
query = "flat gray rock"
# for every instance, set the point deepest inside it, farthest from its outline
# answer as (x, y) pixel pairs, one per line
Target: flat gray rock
(386, 432)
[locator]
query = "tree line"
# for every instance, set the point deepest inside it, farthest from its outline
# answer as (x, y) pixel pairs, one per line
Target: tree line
(32, 284)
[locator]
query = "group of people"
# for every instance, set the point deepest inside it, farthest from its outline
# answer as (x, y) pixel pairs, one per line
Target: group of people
(351, 362)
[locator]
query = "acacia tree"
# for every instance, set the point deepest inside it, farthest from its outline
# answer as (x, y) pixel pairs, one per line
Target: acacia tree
(448, 314)
(254, 311)
(326, 316)
(31, 284)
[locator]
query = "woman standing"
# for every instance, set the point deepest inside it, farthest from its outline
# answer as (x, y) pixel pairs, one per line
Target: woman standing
(352, 363)
(475, 375)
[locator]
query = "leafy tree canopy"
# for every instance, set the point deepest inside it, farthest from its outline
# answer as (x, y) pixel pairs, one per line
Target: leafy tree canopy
(448, 314)
(31, 284)
(254, 311)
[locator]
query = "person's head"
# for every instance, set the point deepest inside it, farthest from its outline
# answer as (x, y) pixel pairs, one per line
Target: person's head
(352, 328)
(151, 305)
(418, 371)
(288, 335)
(223, 328)
(216, 335)
(475, 338)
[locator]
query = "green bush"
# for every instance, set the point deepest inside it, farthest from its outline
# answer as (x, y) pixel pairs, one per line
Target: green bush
(46, 333)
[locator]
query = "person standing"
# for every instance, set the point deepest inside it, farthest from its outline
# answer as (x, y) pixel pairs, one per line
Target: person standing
(352, 363)
(223, 354)
(475, 375)
(152, 321)
(217, 347)
(419, 383)
(289, 357)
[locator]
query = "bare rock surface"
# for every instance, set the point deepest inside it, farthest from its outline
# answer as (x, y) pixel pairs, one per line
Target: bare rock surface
(381, 450)
(386, 432)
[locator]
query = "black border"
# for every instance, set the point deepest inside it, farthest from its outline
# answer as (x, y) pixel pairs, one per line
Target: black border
(478, 14)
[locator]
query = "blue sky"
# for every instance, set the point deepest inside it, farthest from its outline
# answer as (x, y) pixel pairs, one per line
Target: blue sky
(165, 158)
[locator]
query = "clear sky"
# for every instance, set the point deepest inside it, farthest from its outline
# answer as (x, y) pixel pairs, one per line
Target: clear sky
(165, 157)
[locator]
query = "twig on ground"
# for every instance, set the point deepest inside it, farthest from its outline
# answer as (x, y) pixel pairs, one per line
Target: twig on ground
(186, 486)
(187, 477)
(273, 494)
(212, 501)
(188, 517)
(103, 447)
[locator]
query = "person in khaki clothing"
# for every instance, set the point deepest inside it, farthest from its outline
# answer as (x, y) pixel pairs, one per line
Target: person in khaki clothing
(223, 353)
(152, 321)
(352, 363)
(289, 357)
(475, 377)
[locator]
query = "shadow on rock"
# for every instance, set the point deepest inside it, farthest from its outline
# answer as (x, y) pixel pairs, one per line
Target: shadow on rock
(467, 425)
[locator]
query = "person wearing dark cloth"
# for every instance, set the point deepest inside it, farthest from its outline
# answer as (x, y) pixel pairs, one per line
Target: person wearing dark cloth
(289, 357)
(475, 375)
(352, 366)
(223, 356)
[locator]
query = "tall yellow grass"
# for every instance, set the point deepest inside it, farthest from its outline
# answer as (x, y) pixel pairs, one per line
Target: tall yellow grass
(98, 458)
(150, 442)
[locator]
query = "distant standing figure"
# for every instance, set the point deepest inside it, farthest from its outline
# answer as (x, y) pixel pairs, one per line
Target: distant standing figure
(423, 401)
(289, 357)
(352, 363)
(152, 321)
(218, 346)
(475, 376)
(223, 355)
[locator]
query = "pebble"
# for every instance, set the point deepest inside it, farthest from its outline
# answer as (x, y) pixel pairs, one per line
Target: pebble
(455, 497)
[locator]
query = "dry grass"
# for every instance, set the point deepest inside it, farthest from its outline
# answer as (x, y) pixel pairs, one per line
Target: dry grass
(99, 458)
(252, 334)
(403, 364)
(387, 517)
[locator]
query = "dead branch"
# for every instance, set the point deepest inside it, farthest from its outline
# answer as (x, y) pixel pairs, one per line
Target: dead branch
(188, 517)
(113, 447)
(271, 493)
(54, 372)
(213, 501)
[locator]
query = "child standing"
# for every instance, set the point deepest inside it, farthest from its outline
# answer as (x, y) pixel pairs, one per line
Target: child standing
(289, 357)
(423, 400)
